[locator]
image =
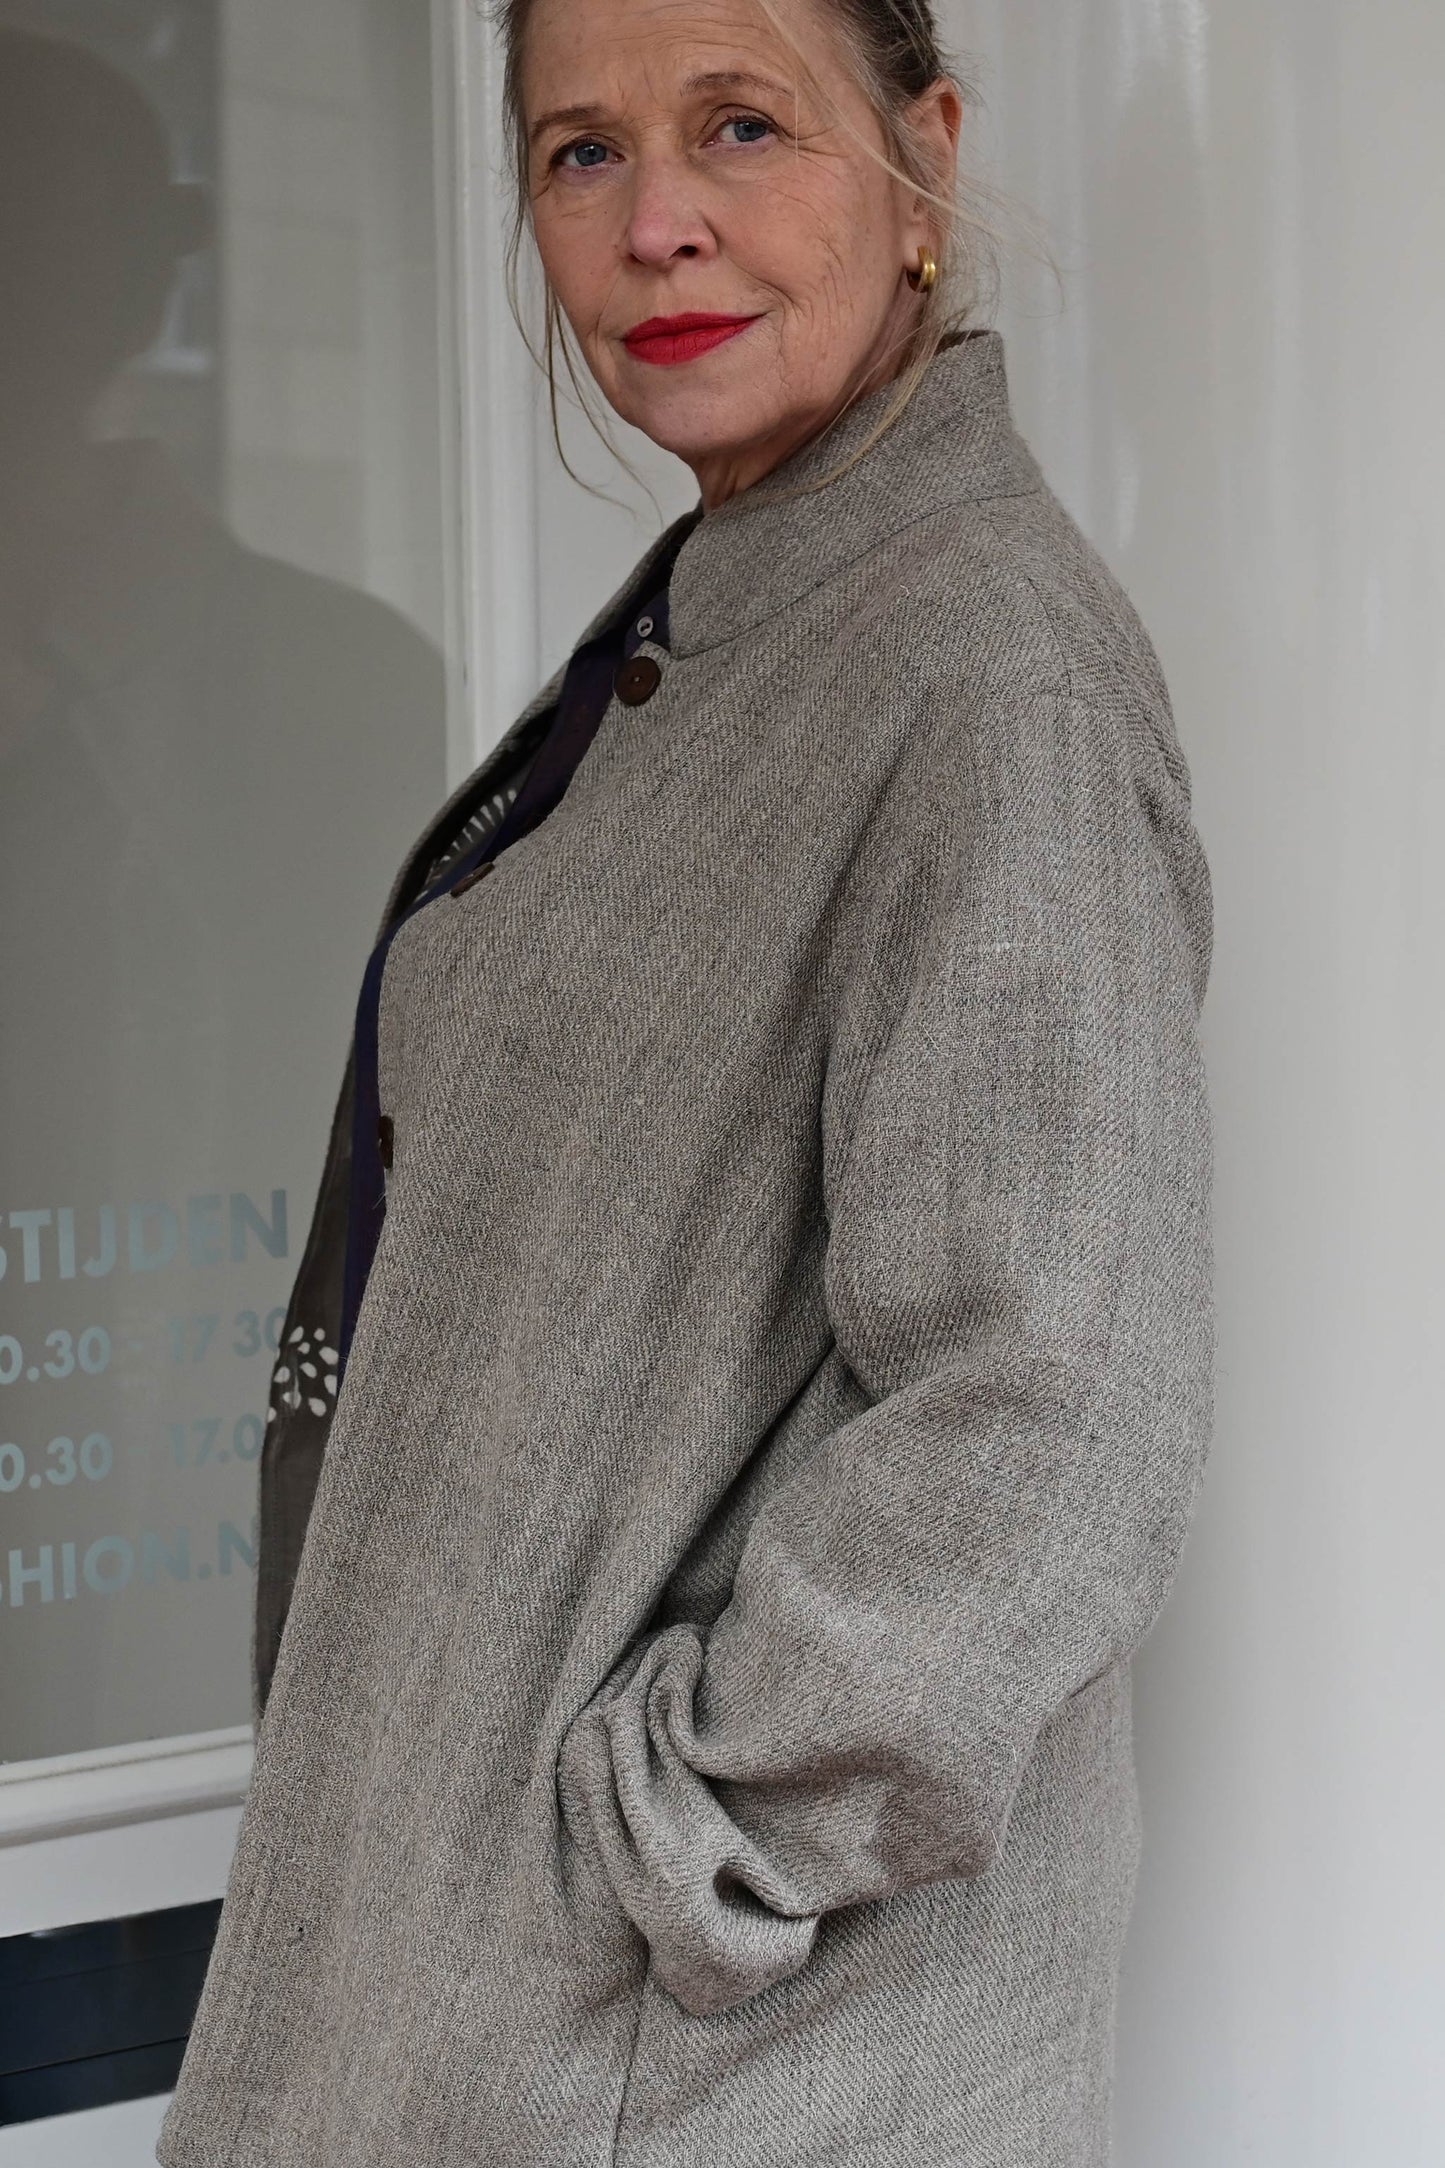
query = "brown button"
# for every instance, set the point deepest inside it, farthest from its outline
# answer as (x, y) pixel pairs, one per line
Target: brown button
(470, 880)
(637, 680)
(385, 1136)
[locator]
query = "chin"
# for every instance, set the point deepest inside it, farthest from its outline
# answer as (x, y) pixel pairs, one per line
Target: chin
(683, 420)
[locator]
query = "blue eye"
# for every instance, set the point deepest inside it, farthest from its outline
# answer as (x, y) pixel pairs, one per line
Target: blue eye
(750, 120)
(586, 154)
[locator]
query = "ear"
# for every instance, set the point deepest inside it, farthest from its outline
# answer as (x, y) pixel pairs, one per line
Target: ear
(936, 123)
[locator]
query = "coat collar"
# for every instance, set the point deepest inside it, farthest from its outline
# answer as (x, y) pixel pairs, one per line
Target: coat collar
(743, 563)
(955, 443)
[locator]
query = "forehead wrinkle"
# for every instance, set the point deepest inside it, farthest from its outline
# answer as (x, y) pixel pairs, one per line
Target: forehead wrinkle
(652, 35)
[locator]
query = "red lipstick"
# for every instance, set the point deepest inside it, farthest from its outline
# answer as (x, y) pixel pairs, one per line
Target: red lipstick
(670, 339)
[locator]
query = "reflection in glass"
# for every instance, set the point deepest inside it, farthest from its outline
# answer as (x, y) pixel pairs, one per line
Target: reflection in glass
(211, 759)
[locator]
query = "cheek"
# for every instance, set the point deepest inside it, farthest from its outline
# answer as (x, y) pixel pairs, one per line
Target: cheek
(573, 252)
(820, 245)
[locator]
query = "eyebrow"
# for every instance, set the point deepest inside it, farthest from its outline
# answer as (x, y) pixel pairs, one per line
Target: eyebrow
(573, 116)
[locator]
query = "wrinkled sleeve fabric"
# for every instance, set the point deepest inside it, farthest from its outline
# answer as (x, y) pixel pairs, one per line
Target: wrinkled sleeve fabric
(1017, 1168)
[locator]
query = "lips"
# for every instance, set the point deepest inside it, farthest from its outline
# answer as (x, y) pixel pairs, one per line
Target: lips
(671, 339)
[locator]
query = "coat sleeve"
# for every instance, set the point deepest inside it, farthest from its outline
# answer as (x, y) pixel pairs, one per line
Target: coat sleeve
(1017, 1168)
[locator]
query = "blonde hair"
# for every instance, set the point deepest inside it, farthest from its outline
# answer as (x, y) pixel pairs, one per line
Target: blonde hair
(893, 52)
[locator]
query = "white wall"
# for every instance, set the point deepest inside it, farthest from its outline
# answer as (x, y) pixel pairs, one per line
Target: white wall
(1237, 394)
(1240, 401)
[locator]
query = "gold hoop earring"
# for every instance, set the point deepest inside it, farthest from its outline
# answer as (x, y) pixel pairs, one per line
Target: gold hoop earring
(924, 278)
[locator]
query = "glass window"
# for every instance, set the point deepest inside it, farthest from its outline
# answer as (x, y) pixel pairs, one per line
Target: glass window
(221, 725)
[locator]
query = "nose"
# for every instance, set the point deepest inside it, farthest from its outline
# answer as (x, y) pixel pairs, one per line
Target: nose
(665, 218)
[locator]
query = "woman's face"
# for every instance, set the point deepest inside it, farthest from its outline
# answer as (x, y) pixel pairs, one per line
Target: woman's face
(683, 165)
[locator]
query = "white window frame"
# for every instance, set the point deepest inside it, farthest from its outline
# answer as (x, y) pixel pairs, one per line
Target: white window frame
(489, 402)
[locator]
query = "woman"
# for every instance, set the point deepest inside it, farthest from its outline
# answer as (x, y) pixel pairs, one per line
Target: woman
(774, 1276)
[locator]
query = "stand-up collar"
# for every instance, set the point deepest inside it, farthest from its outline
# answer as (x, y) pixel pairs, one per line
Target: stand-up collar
(954, 443)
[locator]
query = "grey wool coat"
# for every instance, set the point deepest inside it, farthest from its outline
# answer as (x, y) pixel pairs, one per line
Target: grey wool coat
(698, 1734)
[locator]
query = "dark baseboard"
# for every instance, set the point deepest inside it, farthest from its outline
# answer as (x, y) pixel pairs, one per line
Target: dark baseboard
(99, 2012)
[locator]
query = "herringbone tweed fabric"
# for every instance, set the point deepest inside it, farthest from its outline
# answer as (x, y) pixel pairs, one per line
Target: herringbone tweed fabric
(700, 1736)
